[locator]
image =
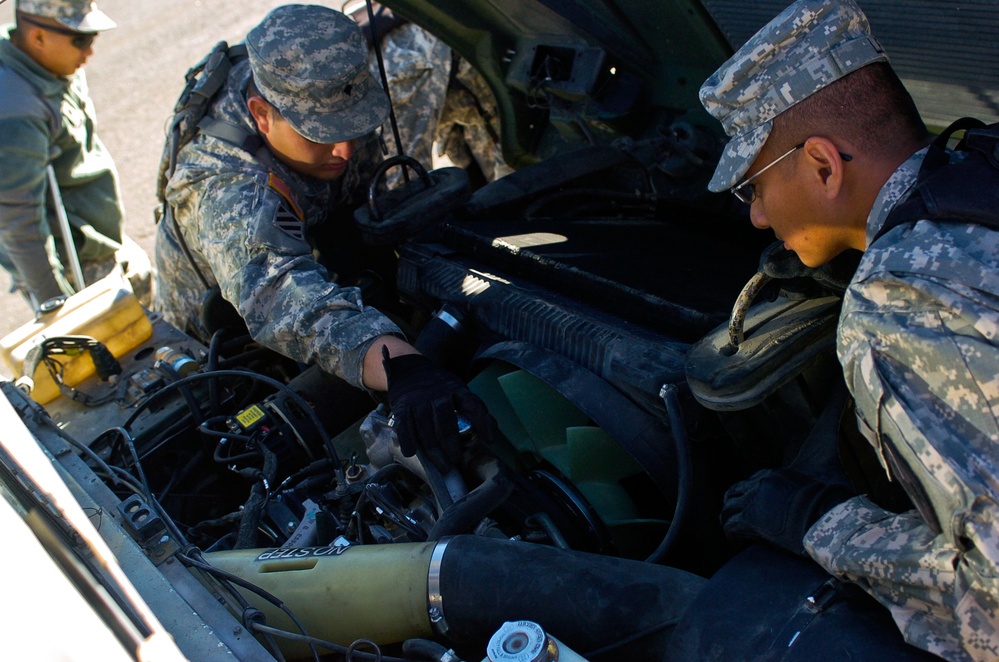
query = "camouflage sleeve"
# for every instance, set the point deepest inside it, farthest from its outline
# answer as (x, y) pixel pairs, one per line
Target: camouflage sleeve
(919, 344)
(285, 296)
(942, 598)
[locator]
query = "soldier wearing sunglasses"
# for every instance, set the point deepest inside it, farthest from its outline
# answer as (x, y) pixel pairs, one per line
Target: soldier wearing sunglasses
(47, 118)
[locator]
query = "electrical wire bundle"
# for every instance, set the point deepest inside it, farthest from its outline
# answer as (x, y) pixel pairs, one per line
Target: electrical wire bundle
(44, 353)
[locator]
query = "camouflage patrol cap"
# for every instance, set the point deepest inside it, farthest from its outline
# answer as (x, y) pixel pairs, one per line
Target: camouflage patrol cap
(311, 63)
(79, 15)
(809, 45)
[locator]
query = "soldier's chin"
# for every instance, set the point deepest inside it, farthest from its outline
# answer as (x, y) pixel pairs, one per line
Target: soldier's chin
(327, 171)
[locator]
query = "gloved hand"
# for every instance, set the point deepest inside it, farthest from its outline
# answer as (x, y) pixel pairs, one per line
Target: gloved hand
(792, 279)
(778, 506)
(426, 402)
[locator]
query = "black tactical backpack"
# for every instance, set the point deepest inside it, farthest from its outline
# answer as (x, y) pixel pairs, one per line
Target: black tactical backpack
(203, 82)
(965, 191)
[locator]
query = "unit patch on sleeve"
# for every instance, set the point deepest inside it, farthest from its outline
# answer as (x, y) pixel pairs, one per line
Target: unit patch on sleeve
(288, 218)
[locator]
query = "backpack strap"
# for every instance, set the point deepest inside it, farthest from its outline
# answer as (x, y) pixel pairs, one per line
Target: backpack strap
(202, 84)
(964, 192)
(231, 133)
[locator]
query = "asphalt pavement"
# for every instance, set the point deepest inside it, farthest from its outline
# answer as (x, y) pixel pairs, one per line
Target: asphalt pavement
(135, 74)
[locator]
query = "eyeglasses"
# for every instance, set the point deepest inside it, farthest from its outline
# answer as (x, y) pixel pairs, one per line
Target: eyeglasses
(746, 190)
(80, 40)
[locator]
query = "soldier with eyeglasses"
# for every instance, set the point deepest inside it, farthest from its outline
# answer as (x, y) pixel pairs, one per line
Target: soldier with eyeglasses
(830, 153)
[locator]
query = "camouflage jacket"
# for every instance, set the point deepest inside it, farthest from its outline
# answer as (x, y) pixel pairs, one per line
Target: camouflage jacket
(919, 342)
(439, 99)
(49, 120)
(247, 220)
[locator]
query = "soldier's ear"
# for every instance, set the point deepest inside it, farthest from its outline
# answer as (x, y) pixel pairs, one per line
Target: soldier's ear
(262, 113)
(31, 36)
(825, 165)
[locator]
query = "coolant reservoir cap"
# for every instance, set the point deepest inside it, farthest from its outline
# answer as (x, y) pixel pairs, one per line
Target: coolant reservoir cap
(519, 641)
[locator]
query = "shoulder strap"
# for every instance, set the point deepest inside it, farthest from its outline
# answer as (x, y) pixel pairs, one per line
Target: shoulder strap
(202, 83)
(230, 133)
(966, 191)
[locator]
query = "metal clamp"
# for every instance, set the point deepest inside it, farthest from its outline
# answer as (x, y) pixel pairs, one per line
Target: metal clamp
(435, 601)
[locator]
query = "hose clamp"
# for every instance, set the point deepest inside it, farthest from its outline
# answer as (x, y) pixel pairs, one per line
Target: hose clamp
(435, 601)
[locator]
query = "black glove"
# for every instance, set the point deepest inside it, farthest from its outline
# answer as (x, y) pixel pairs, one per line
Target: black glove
(792, 279)
(778, 506)
(426, 402)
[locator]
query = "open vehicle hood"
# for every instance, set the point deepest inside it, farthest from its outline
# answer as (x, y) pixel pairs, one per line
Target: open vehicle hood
(661, 52)
(564, 70)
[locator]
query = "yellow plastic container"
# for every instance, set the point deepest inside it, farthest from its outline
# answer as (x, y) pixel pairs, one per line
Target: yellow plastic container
(107, 311)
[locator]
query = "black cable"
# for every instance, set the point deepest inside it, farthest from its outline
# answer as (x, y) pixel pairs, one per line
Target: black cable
(391, 512)
(80, 446)
(329, 645)
(126, 438)
(363, 642)
(253, 588)
(220, 459)
(259, 496)
(155, 397)
(185, 390)
(200, 376)
(385, 86)
(211, 366)
(271, 644)
(147, 490)
(128, 479)
(435, 480)
(315, 468)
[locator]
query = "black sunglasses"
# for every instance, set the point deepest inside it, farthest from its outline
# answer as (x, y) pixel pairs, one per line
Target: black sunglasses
(80, 40)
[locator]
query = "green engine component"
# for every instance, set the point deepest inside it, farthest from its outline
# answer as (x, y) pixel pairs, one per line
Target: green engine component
(546, 430)
(340, 594)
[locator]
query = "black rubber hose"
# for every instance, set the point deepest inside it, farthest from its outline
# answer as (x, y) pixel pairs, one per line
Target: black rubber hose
(423, 649)
(684, 471)
(626, 609)
(475, 505)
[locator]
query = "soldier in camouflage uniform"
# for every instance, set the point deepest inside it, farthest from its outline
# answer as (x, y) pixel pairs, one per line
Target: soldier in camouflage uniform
(47, 118)
(248, 208)
(445, 112)
(825, 142)
(468, 131)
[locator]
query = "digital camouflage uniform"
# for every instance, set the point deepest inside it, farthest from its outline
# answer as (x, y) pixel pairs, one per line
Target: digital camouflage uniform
(248, 219)
(469, 128)
(439, 99)
(417, 66)
(918, 343)
(47, 119)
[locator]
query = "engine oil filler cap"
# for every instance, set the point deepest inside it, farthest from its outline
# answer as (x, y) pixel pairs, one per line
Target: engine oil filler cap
(520, 641)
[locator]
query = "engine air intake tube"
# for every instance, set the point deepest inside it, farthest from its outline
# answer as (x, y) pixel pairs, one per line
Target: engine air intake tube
(590, 602)
(464, 588)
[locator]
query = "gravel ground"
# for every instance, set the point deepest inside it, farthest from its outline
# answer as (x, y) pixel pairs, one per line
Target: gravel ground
(135, 74)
